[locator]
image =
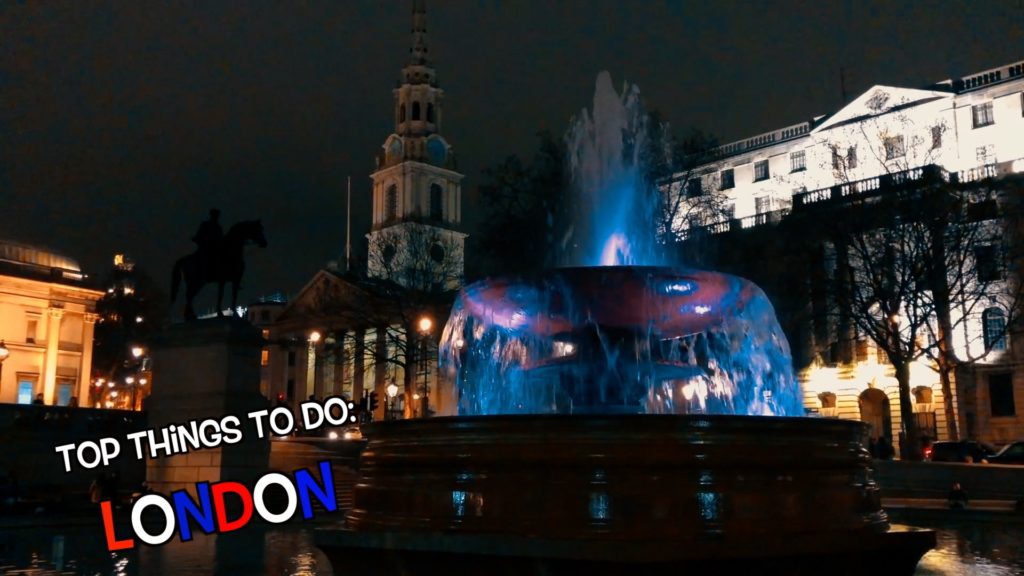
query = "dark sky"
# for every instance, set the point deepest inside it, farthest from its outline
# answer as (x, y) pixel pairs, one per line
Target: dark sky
(121, 123)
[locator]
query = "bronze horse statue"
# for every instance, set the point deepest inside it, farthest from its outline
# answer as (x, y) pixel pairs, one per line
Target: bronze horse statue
(224, 265)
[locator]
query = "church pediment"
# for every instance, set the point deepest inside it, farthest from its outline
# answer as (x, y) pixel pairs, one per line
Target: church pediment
(880, 100)
(327, 295)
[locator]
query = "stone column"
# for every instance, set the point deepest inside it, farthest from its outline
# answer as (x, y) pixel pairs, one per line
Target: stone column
(53, 317)
(207, 369)
(85, 367)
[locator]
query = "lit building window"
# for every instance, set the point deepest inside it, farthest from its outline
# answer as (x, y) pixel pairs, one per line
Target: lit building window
(851, 157)
(936, 137)
(264, 357)
(762, 204)
(797, 161)
(760, 170)
(982, 114)
(894, 147)
(727, 179)
(993, 323)
(985, 154)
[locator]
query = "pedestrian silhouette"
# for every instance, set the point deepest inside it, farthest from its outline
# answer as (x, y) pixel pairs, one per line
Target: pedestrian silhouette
(957, 496)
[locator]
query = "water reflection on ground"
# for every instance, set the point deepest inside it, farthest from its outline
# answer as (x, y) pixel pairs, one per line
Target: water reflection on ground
(978, 548)
(81, 550)
(982, 548)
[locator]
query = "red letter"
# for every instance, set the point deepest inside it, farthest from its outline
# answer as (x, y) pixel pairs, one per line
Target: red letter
(108, 526)
(219, 489)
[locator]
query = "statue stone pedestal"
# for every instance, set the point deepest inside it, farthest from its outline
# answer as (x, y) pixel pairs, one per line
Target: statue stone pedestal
(207, 369)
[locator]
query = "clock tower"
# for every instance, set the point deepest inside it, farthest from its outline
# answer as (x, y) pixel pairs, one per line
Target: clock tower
(417, 194)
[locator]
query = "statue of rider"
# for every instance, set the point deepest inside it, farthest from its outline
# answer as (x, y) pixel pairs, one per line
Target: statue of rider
(208, 241)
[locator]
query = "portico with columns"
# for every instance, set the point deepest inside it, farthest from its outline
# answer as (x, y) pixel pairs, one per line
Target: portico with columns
(47, 318)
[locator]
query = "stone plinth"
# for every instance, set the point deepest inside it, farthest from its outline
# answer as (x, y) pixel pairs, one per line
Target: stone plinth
(207, 369)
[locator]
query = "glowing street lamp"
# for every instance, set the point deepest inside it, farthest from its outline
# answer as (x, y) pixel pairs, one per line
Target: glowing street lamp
(425, 324)
(314, 337)
(392, 390)
(137, 352)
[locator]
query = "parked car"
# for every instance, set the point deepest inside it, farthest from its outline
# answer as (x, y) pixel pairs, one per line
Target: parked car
(960, 451)
(1010, 454)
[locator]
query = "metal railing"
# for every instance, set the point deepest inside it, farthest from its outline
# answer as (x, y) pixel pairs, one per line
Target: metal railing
(849, 190)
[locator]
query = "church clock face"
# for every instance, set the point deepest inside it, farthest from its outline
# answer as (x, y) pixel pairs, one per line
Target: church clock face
(437, 151)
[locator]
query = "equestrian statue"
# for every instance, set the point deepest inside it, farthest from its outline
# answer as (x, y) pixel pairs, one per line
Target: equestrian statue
(218, 258)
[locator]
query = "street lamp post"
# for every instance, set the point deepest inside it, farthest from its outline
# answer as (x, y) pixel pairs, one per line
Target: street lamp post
(425, 325)
(4, 353)
(136, 376)
(130, 381)
(392, 391)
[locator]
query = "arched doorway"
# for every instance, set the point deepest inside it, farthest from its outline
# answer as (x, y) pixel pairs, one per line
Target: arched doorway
(874, 409)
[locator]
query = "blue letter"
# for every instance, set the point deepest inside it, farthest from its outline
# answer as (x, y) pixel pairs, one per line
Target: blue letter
(203, 515)
(306, 484)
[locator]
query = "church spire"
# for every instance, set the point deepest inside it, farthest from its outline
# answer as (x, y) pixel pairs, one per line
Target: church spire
(418, 53)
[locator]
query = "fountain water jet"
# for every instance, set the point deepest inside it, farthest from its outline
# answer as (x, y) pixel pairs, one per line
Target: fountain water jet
(613, 205)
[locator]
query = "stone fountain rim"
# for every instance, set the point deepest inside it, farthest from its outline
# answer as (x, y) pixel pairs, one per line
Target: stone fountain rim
(721, 422)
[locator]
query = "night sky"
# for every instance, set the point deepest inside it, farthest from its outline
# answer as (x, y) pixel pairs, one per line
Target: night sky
(122, 123)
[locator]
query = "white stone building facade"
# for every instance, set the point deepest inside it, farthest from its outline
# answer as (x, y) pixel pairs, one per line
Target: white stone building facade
(969, 129)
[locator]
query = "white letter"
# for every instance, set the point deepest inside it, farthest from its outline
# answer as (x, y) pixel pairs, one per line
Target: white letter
(106, 445)
(308, 407)
(232, 433)
(287, 414)
(137, 438)
(211, 440)
(81, 457)
(340, 402)
(165, 507)
(257, 416)
(67, 459)
(257, 498)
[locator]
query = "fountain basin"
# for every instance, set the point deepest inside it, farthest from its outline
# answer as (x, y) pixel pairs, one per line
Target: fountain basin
(619, 339)
(560, 493)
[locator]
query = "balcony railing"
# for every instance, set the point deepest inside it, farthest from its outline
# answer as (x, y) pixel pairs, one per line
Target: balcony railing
(765, 139)
(859, 188)
(979, 173)
(846, 191)
(875, 184)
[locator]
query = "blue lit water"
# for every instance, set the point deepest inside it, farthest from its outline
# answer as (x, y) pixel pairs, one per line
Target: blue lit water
(613, 207)
(980, 549)
(619, 339)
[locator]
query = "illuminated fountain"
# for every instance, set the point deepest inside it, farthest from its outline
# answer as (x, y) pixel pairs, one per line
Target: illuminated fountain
(618, 417)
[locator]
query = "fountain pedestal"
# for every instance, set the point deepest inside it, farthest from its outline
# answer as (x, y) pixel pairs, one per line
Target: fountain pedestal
(551, 494)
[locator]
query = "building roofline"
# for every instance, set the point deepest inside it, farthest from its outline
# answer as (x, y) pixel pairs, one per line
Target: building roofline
(969, 83)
